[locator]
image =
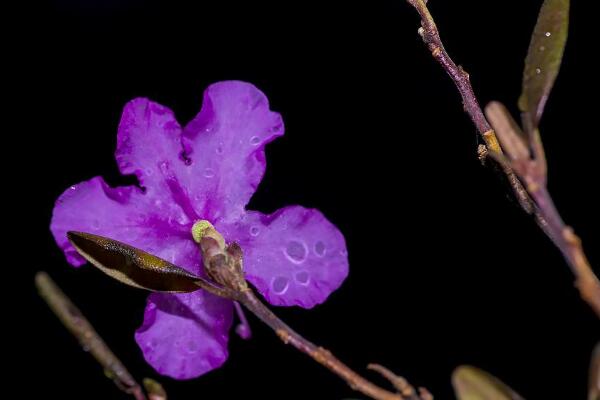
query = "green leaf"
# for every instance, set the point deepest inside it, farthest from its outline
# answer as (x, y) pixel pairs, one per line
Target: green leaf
(543, 59)
(471, 383)
(594, 389)
(133, 266)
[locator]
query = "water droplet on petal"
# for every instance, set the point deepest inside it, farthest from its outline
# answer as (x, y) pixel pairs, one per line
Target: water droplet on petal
(296, 251)
(219, 149)
(320, 248)
(343, 252)
(548, 34)
(542, 48)
(148, 171)
(538, 71)
(95, 224)
(280, 284)
(254, 140)
(164, 168)
(209, 173)
(302, 277)
(254, 231)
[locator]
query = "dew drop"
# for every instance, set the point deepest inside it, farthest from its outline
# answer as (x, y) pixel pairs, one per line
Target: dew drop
(343, 252)
(280, 285)
(548, 34)
(538, 71)
(302, 277)
(209, 173)
(219, 149)
(164, 168)
(148, 171)
(320, 248)
(254, 231)
(254, 140)
(296, 251)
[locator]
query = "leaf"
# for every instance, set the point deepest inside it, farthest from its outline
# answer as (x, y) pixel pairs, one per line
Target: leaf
(594, 389)
(133, 266)
(543, 59)
(471, 383)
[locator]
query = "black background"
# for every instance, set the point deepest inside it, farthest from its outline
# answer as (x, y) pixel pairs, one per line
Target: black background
(445, 270)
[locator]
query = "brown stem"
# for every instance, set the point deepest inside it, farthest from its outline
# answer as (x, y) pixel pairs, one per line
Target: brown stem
(89, 339)
(460, 77)
(542, 206)
(224, 264)
(570, 245)
(319, 354)
(401, 384)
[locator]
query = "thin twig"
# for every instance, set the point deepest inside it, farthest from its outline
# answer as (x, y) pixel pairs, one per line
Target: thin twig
(89, 339)
(401, 384)
(534, 199)
(321, 355)
(569, 244)
(224, 264)
(461, 79)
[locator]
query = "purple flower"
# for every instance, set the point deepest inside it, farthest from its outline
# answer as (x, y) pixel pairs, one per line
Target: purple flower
(207, 170)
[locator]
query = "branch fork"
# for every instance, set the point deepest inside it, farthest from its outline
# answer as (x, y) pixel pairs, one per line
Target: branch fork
(521, 156)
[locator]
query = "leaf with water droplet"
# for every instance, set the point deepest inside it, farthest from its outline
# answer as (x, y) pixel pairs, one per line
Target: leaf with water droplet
(594, 389)
(133, 266)
(472, 383)
(543, 59)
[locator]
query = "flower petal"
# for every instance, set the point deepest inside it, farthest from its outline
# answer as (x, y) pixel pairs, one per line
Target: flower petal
(149, 146)
(185, 335)
(225, 143)
(293, 257)
(125, 214)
